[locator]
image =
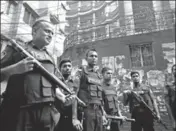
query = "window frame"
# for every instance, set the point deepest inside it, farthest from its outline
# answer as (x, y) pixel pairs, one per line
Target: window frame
(32, 13)
(142, 60)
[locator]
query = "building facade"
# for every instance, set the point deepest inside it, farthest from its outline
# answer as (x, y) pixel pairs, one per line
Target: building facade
(17, 18)
(128, 35)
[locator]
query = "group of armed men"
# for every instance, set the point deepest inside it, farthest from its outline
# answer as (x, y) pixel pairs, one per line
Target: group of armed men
(31, 102)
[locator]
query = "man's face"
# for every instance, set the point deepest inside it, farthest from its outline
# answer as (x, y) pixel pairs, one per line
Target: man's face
(44, 34)
(107, 75)
(92, 58)
(135, 77)
(66, 68)
(174, 71)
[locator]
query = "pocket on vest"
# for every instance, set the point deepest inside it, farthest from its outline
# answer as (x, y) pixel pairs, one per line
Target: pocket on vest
(46, 87)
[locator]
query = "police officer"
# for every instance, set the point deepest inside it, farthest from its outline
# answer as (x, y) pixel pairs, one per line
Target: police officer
(90, 92)
(65, 122)
(111, 105)
(143, 119)
(171, 98)
(29, 96)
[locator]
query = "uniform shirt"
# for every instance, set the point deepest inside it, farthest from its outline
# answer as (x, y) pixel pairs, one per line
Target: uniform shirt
(146, 94)
(72, 84)
(19, 84)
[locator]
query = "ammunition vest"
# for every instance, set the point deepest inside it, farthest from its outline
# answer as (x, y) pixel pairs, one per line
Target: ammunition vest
(90, 87)
(143, 91)
(111, 100)
(32, 86)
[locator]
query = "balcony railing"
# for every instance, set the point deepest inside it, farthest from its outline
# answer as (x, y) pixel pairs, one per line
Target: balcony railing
(86, 7)
(162, 21)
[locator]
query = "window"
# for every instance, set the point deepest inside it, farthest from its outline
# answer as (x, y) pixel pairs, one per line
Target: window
(86, 36)
(141, 55)
(28, 17)
(113, 26)
(100, 33)
(86, 21)
(100, 16)
(111, 7)
(10, 7)
(144, 18)
(29, 14)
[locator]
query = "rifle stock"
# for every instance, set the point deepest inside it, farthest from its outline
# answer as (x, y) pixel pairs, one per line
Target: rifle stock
(50, 76)
(142, 102)
(119, 118)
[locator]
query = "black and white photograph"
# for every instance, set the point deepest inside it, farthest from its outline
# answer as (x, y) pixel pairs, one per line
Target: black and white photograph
(87, 65)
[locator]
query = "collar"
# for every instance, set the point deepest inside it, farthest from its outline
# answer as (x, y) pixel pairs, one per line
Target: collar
(138, 87)
(35, 47)
(107, 84)
(70, 78)
(94, 69)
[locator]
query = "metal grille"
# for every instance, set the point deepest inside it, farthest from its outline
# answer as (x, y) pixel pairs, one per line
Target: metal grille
(141, 55)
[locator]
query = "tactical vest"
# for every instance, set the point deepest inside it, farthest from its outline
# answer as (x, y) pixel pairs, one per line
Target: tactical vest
(33, 87)
(90, 87)
(111, 100)
(143, 91)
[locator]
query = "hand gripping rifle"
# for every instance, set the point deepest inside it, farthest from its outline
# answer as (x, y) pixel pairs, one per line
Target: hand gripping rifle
(46, 73)
(110, 117)
(142, 103)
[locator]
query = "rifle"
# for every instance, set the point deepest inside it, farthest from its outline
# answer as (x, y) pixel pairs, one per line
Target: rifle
(50, 76)
(119, 118)
(142, 103)
(108, 125)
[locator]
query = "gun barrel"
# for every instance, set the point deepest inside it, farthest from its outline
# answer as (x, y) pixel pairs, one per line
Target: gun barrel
(141, 101)
(119, 118)
(50, 76)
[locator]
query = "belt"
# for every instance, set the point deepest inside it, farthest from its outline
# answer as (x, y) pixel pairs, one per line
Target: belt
(66, 117)
(38, 104)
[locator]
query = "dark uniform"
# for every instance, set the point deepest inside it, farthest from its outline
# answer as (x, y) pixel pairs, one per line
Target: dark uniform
(143, 119)
(171, 97)
(90, 92)
(111, 105)
(29, 97)
(65, 122)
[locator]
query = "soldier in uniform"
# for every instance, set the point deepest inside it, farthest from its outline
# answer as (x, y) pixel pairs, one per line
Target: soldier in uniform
(143, 119)
(90, 92)
(29, 96)
(111, 105)
(171, 98)
(65, 122)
